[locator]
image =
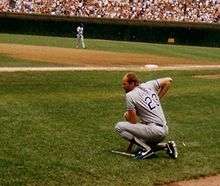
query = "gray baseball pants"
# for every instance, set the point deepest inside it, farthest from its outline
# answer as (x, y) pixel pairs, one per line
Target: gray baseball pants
(151, 134)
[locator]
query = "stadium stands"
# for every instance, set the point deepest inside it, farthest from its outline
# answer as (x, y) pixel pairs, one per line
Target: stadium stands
(207, 11)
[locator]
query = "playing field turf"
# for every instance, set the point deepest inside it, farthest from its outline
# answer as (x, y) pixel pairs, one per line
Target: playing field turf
(187, 52)
(57, 128)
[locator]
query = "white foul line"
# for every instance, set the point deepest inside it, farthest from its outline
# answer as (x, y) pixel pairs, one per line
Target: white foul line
(131, 68)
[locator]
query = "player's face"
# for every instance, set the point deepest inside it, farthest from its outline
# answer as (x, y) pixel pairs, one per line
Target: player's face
(126, 86)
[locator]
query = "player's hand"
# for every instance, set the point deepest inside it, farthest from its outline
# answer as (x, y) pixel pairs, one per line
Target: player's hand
(126, 116)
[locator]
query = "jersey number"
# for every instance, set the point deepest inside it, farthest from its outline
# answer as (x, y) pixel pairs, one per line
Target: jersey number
(152, 101)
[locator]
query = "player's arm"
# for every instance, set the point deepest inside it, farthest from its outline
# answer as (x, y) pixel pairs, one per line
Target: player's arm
(164, 84)
(131, 116)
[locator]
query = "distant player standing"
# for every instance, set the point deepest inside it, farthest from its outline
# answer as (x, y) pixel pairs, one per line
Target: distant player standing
(80, 37)
(143, 102)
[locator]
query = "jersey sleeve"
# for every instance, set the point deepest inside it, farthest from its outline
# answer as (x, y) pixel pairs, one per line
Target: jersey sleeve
(129, 103)
(153, 84)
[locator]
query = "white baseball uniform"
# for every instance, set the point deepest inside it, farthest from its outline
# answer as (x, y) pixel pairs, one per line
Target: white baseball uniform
(79, 37)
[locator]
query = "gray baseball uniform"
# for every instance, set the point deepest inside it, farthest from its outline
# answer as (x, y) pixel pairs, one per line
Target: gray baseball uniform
(152, 127)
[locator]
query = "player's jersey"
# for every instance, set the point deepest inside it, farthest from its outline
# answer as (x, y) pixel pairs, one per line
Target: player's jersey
(145, 101)
(79, 30)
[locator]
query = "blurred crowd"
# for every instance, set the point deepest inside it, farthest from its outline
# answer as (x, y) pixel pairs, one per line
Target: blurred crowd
(160, 10)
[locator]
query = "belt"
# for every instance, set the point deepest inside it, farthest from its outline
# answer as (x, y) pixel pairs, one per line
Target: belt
(158, 124)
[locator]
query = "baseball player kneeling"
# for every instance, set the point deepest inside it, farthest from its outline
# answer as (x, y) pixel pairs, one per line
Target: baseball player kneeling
(145, 126)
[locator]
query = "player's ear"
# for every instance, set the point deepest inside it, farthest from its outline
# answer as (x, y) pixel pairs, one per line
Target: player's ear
(132, 83)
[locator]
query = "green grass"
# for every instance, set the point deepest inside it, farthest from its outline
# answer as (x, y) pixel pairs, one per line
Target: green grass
(185, 52)
(57, 128)
(7, 61)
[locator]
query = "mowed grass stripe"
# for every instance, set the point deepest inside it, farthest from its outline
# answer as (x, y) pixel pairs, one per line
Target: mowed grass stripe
(57, 128)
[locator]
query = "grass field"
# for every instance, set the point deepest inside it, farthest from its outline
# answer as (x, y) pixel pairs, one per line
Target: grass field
(8, 61)
(57, 128)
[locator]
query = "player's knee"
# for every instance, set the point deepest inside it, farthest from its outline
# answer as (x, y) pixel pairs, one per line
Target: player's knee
(119, 127)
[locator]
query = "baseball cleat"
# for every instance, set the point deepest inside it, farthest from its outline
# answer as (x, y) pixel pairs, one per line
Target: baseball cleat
(141, 155)
(172, 150)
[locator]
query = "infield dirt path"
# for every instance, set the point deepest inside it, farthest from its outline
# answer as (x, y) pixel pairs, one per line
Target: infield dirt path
(206, 181)
(95, 60)
(92, 58)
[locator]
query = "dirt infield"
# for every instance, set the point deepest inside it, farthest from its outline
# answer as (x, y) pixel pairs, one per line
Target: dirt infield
(76, 59)
(205, 181)
(92, 58)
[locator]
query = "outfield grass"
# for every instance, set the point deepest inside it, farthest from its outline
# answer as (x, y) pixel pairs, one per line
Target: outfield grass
(57, 128)
(186, 52)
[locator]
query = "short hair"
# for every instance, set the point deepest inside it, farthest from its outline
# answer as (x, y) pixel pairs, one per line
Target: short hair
(132, 77)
